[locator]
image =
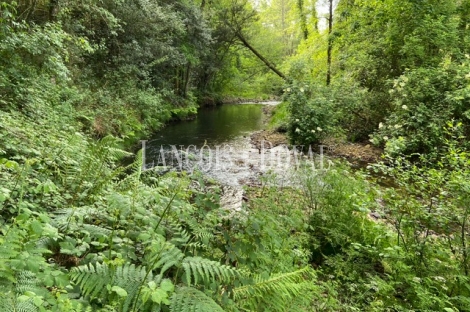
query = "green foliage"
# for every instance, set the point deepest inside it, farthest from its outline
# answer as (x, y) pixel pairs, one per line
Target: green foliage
(188, 299)
(414, 49)
(196, 268)
(338, 217)
(312, 117)
(122, 284)
(278, 120)
(317, 112)
(276, 292)
(101, 236)
(414, 126)
(80, 231)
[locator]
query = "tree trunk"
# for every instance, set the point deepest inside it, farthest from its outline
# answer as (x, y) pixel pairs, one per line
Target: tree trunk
(262, 58)
(330, 42)
(187, 77)
(314, 14)
(303, 18)
(53, 8)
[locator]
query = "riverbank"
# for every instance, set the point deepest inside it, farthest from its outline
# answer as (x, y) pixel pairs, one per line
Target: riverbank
(358, 154)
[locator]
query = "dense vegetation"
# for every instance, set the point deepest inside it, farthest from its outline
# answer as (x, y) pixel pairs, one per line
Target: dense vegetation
(82, 81)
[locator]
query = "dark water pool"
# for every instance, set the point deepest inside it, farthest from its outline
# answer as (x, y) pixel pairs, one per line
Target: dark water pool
(214, 126)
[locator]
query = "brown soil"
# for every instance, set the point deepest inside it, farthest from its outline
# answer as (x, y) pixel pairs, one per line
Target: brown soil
(359, 154)
(271, 139)
(354, 152)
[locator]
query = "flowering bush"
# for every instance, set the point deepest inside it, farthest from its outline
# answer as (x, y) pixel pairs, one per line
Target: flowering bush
(425, 100)
(312, 116)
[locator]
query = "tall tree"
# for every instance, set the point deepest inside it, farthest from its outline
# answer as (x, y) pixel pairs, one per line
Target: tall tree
(330, 42)
(303, 18)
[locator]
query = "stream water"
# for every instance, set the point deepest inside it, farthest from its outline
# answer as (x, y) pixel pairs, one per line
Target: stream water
(217, 142)
(213, 125)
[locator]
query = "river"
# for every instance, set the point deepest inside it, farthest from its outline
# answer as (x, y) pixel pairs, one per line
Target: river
(213, 126)
(217, 142)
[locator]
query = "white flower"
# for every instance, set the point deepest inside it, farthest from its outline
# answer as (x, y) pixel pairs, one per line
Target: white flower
(404, 107)
(381, 125)
(297, 130)
(397, 126)
(288, 89)
(319, 129)
(302, 90)
(297, 120)
(313, 131)
(385, 138)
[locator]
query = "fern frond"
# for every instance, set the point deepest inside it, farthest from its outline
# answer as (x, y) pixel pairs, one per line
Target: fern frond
(135, 169)
(203, 234)
(179, 236)
(45, 243)
(10, 304)
(94, 280)
(97, 231)
(197, 245)
(165, 257)
(188, 299)
(72, 218)
(274, 292)
(197, 268)
(25, 282)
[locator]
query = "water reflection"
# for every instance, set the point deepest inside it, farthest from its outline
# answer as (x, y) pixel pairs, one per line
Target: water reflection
(216, 125)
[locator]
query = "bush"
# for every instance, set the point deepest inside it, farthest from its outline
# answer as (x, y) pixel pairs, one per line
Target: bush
(342, 110)
(312, 115)
(425, 100)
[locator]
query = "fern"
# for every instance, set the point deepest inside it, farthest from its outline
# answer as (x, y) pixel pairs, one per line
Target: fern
(12, 305)
(96, 281)
(202, 233)
(188, 299)
(97, 231)
(164, 257)
(72, 219)
(132, 180)
(179, 236)
(27, 282)
(275, 292)
(93, 168)
(10, 297)
(197, 268)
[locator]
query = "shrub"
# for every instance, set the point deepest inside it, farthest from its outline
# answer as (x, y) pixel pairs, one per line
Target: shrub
(312, 116)
(425, 99)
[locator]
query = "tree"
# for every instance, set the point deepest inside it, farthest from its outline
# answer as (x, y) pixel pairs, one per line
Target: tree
(330, 41)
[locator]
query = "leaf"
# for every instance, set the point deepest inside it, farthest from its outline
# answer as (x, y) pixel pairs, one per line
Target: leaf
(120, 291)
(159, 296)
(167, 285)
(36, 226)
(38, 301)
